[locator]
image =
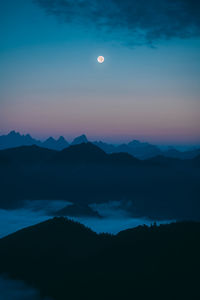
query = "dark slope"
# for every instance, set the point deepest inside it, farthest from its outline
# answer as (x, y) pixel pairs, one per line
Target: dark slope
(196, 161)
(82, 153)
(65, 260)
(76, 154)
(124, 158)
(89, 153)
(181, 155)
(26, 154)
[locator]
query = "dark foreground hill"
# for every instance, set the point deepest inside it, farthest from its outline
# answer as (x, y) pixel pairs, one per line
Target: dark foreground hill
(161, 187)
(66, 260)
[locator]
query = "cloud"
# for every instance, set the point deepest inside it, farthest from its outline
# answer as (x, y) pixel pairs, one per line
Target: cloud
(142, 20)
(17, 290)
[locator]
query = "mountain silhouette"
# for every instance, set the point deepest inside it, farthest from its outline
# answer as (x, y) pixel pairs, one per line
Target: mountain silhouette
(81, 153)
(59, 144)
(143, 150)
(136, 148)
(173, 153)
(80, 139)
(66, 260)
(15, 139)
(26, 154)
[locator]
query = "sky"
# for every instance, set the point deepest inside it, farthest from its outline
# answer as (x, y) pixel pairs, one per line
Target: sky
(147, 88)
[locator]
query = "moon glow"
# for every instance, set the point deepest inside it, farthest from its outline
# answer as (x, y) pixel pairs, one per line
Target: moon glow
(100, 59)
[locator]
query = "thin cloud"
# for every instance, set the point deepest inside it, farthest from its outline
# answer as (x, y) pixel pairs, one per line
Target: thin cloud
(144, 20)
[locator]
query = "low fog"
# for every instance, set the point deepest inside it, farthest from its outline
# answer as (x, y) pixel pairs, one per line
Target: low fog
(114, 218)
(17, 290)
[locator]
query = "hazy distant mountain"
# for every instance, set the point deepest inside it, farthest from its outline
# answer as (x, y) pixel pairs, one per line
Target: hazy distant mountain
(108, 148)
(182, 155)
(136, 148)
(143, 150)
(15, 139)
(66, 260)
(80, 139)
(59, 144)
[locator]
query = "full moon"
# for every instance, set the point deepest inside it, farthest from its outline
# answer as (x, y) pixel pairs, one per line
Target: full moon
(100, 59)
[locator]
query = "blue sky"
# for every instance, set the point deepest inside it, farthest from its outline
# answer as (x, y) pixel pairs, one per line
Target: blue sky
(51, 83)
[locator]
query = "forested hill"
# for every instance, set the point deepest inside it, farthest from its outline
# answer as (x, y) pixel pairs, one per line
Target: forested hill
(66, 260)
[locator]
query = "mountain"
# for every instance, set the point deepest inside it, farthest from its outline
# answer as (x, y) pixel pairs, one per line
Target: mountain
(88, 153)
(80, 139)
(181, 155)
(66, 260)
(75, 154)
(135, 148)
(160, 187)
(26, 155)
(143, 150)
(15, 139)
(81, 153)
(123, 158)
(59, 144)
(108, 148)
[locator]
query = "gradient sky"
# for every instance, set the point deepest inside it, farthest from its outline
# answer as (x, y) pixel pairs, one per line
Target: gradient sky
(51, 84)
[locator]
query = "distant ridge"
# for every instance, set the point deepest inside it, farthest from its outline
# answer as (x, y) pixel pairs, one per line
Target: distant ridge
(80, 139)
(15, 139)
(26, 154)
(74, 154)
(135, 148)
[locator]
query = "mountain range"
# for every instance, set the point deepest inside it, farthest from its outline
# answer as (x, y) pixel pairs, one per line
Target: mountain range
(136, 148)
(160, 187)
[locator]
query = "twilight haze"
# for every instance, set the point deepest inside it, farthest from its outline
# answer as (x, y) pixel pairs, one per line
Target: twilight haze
(147, 88)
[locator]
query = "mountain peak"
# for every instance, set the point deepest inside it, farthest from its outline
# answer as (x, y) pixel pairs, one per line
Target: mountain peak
(59, 144)
(136, 143)
(14, 133)
(50, 139)
(80, 139)
(84, 152)
(61, 139)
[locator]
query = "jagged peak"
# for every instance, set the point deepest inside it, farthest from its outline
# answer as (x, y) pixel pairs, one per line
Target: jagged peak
(80, 139)
(61, 138)
(50, 139)
(13, 132)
